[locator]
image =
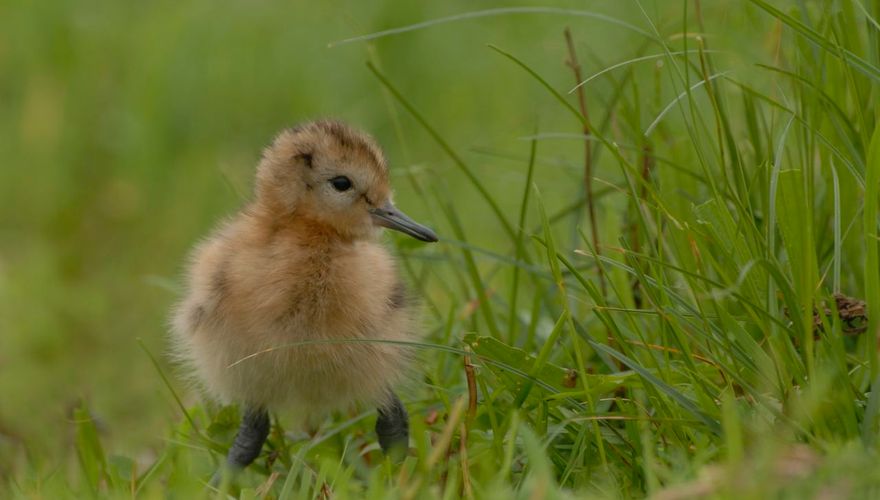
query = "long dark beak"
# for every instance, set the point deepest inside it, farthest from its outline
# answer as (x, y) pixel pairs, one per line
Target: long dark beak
(389, 216)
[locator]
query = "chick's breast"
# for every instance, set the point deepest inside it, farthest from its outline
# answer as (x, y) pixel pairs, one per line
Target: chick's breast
(288, 327)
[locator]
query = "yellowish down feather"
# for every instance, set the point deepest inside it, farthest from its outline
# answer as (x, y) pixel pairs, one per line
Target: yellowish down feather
(275, 295)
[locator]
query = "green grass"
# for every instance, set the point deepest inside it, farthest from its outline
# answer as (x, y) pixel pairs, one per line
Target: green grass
(695, 351)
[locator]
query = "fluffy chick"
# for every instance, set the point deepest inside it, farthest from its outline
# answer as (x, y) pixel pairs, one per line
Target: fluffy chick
(277, 294)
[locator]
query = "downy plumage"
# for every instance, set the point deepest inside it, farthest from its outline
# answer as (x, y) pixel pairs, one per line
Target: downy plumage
(284, 299)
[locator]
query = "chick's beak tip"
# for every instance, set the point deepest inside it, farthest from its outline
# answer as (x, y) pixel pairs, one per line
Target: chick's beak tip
(390, 217)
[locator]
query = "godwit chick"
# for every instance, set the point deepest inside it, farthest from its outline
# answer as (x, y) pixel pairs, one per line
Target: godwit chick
(284, 299)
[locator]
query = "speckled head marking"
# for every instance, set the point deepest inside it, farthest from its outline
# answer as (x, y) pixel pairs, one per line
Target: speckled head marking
(356, 143)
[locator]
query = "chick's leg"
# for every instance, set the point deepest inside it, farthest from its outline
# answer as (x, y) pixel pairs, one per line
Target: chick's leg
(250, 438)
(392, 426)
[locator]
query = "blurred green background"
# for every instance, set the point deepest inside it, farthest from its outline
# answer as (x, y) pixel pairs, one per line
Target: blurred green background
(127, 129)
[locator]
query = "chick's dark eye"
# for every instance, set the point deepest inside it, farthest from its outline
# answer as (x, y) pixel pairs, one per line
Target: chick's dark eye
(341, 183)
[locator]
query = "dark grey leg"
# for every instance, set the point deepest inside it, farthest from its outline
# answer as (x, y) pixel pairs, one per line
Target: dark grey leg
(252, 433)
(392, 426)
(249, 441)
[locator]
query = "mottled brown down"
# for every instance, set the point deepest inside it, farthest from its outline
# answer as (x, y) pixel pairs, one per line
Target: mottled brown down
(300, 263)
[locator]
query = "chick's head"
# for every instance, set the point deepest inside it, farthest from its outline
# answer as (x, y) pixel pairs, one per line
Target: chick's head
(334, 176)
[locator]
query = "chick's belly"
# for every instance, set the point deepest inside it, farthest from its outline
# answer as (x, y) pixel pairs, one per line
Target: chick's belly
(314, 378)
(336, 376)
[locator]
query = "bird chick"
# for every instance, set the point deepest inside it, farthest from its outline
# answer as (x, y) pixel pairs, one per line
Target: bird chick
(293, 302)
